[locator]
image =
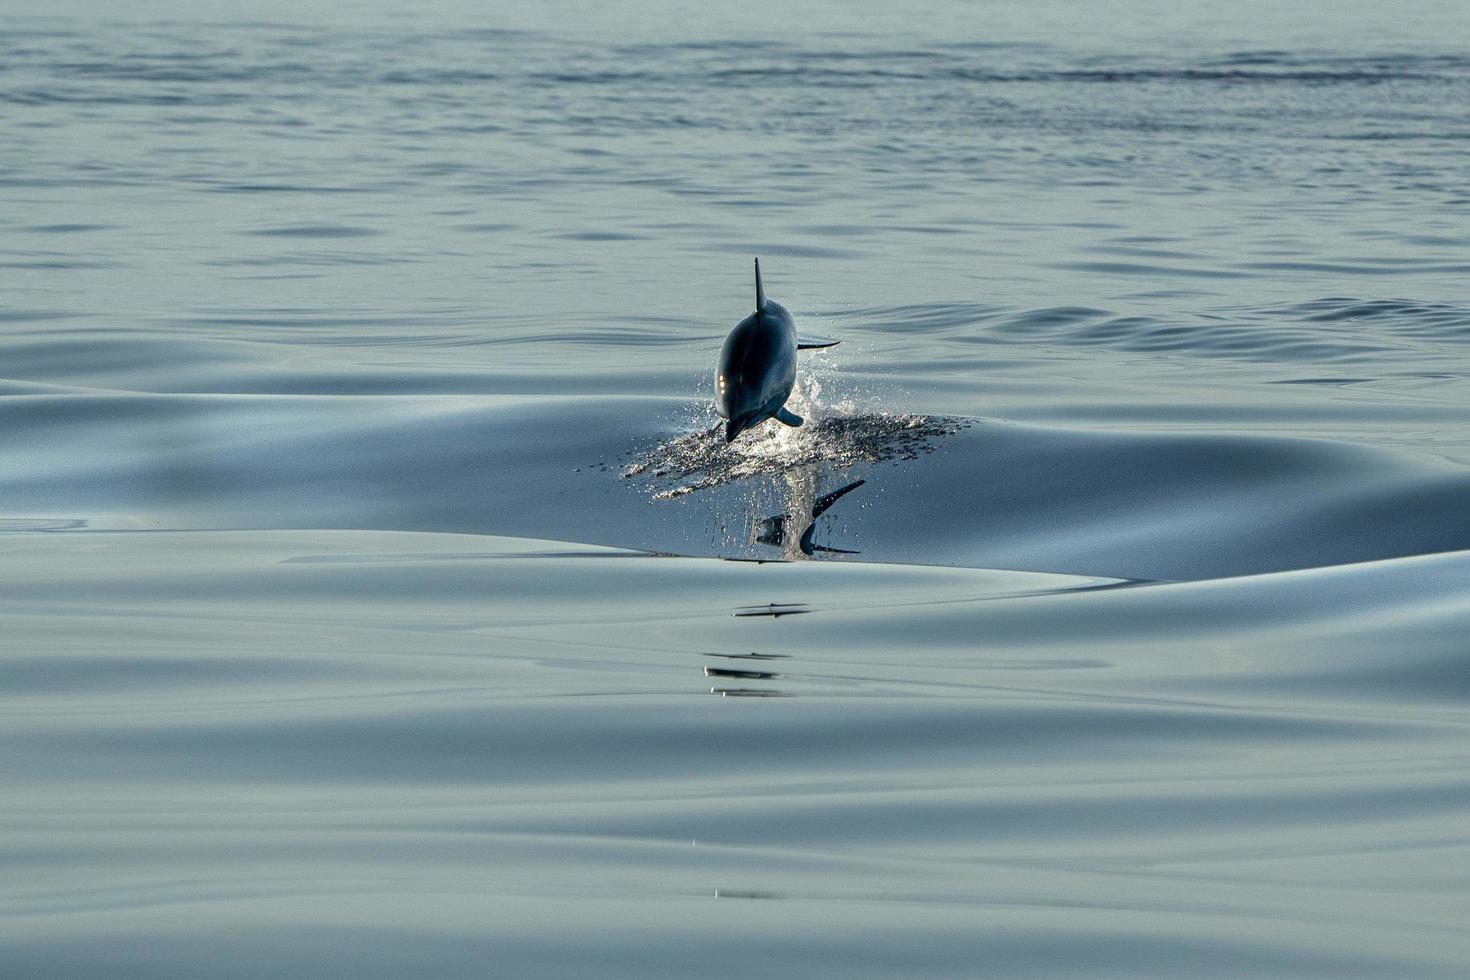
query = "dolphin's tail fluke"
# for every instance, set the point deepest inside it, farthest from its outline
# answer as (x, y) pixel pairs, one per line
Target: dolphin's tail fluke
(760, 294)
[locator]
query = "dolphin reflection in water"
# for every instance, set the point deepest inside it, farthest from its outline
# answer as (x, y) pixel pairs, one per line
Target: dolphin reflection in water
(776, 530)
(757, 366)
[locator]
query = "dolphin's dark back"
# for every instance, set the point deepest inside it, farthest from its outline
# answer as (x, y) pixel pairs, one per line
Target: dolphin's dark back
(757, 367)
(758, 359)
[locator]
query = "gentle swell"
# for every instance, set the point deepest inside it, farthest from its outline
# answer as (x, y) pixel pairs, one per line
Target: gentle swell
(993, 494)
(310, 749)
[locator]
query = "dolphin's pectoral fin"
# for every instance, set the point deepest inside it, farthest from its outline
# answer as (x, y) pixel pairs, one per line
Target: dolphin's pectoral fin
(787, 418)
(807, 343)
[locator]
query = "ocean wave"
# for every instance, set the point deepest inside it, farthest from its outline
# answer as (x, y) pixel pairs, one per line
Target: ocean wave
(947, 491)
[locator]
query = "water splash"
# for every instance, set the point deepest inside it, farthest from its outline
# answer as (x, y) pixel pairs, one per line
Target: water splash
(835, 437)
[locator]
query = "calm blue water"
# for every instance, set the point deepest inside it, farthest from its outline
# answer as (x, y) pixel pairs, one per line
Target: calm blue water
(361, 515)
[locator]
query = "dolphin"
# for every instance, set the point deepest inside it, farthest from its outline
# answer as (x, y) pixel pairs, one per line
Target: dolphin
(758, 366)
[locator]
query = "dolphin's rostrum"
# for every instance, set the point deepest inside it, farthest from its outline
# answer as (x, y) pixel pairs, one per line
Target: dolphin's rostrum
(758, 366)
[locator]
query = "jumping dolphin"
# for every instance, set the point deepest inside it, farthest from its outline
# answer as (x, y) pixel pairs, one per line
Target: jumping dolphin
(758, 366)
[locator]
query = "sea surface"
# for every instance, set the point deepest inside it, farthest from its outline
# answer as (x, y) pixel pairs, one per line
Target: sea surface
(378, 597)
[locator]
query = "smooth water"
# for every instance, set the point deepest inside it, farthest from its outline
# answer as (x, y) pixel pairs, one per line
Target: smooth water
(362, 509)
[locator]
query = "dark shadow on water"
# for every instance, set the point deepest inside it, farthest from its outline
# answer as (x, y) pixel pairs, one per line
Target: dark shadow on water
(752, 656)
(747, 675)
(774, 609)
(757, 680)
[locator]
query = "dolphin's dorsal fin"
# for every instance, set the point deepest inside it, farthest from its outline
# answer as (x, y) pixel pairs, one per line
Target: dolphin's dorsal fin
(760, 294)
(822, 503)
